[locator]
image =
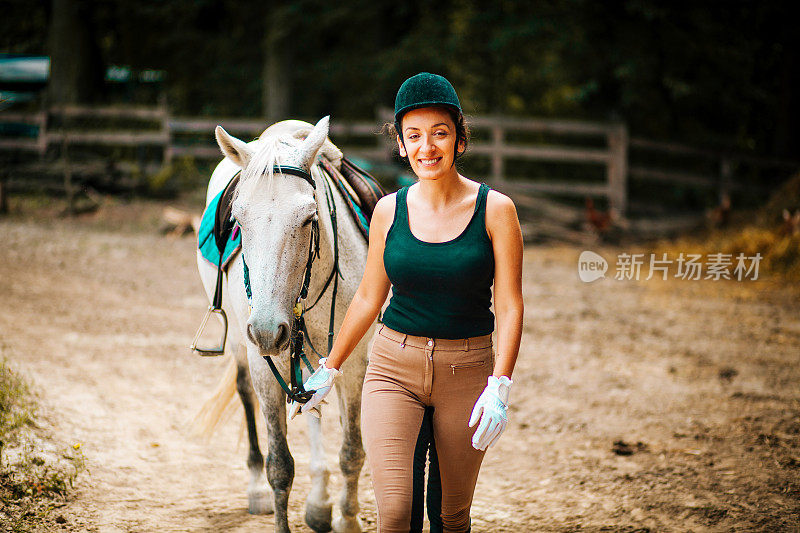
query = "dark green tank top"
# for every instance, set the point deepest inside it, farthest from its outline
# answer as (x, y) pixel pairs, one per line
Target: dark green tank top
(440, 289)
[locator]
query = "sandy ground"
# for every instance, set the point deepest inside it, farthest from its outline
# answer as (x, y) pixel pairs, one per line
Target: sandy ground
(701, 379)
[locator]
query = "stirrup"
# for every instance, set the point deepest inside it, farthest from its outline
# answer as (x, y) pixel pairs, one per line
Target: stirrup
(211, 352)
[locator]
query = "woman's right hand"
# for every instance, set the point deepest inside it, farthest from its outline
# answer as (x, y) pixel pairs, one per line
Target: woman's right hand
(361, 313)
(321, 382)
(373, 289)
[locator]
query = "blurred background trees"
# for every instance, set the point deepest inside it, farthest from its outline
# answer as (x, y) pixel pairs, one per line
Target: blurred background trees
(717, 74)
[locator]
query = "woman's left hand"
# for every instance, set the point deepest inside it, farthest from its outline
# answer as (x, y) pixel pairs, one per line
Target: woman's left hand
(490, 409)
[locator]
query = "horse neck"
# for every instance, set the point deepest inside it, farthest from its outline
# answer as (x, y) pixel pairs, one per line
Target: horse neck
(347, 230)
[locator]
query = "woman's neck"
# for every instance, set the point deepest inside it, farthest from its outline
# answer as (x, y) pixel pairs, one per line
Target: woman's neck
(441, 192)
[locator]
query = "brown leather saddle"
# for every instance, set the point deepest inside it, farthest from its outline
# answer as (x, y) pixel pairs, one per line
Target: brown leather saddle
(367, 188)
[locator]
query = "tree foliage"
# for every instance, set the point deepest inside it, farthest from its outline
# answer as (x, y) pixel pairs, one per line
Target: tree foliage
(706, 72)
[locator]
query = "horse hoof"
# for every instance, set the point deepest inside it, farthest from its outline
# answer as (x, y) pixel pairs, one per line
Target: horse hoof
(260, 503)
(347, 525)
(318, 517)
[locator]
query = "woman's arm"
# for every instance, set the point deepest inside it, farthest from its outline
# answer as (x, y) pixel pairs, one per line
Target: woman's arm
(503, 227)
(372, 290)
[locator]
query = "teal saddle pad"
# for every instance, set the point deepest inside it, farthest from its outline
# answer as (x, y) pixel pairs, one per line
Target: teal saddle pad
(205, 237)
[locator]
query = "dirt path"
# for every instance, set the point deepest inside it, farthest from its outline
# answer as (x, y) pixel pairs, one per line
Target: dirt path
(704, 375)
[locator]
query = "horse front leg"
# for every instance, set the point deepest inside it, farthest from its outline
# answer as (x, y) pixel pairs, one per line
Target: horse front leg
(319, 506)
(259, 499)
(351, 454)
(280, 464)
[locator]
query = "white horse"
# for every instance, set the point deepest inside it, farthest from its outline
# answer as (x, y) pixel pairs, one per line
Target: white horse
(274, 211)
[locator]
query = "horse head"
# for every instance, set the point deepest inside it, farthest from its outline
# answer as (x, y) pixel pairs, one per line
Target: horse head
(276, 212)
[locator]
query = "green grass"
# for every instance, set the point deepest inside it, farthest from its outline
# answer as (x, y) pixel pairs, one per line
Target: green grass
(756, 231)
(17, 410)
(35, 473)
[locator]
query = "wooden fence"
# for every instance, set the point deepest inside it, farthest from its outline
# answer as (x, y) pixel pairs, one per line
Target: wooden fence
(249, 129)
(46, 137)
(612, 156)
(54, 140)
(722, 179)
(604, 145)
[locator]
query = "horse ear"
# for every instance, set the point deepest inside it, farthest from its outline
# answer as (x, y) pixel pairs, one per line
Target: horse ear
(315, 139)
(234, 149)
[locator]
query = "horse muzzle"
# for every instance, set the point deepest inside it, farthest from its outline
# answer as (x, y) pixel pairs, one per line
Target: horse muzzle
(270, 335)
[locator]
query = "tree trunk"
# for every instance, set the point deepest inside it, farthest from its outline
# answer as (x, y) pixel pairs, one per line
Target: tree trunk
(786, 139)
(276, 77)
(76, 73)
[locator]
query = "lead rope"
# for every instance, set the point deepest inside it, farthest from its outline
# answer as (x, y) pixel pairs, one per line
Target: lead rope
(296, 351)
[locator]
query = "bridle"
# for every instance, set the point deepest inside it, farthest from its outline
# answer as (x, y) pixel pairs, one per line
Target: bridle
(299, 334)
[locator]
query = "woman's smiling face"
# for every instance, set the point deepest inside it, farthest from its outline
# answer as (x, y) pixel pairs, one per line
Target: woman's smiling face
(430, 138)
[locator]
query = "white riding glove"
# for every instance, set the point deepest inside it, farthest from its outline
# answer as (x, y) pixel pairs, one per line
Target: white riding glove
(320, 381)
(490, 409)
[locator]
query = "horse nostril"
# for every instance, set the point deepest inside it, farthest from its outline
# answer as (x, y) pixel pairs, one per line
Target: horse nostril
(251, 335)
(282, 337)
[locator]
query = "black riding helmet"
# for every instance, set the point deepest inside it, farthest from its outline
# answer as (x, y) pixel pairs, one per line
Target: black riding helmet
(423, 90)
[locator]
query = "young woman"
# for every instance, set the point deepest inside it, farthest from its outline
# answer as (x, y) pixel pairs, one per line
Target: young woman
(440, 244)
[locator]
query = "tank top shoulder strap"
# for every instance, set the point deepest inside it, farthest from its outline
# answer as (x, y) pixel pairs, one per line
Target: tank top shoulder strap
(401, 199)
(480, 211)
(400, 211)
(480, 202)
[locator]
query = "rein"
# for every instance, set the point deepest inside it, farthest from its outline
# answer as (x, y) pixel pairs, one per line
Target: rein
(299, 333)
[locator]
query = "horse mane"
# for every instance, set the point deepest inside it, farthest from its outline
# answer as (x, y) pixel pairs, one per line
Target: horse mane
(268, 149)
(263, 162)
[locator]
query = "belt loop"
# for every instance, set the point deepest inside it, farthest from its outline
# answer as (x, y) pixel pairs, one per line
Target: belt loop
(466, 344)
(403, 342)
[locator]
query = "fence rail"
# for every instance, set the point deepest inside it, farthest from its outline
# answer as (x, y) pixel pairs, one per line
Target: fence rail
(179, 126)
(612, 156)
(605, 145)
(722, 179)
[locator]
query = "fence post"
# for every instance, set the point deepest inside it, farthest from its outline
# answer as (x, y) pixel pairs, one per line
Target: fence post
(162, 104)
(617, 169)
(725, 173)
(3, 195)
(498, 135)
(42, 138)
(68, 185)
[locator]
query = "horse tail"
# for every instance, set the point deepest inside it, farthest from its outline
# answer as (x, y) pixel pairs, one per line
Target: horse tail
(219, 407)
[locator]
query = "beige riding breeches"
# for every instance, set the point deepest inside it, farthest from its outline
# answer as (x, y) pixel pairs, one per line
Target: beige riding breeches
(407, 377)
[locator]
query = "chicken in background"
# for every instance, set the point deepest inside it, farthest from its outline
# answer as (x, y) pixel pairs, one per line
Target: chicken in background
(600, 221)
(721, 215)
(791, 223)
